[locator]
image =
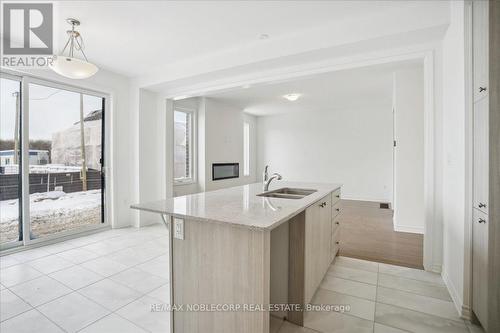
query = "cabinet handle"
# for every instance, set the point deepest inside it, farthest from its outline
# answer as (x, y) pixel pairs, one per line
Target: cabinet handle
(337, 196)
(337, 223)
(482, 205)
(337, 243)
(323, 204)
(481, 89)
(337, 209)
(482, 221)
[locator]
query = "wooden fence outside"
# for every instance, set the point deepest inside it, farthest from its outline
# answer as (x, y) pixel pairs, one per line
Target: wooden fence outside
(44, 182)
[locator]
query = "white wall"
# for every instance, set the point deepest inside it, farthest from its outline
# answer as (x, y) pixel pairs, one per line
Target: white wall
(224, 142)
(352, 146)
(409, 211)
(219, 140)
(153, 133)
(454, 154)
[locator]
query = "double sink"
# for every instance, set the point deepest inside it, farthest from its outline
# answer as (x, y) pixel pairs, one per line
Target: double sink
(287, 193)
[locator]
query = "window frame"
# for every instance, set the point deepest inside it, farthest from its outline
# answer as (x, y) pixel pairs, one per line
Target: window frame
(192, 143)
(20, 241)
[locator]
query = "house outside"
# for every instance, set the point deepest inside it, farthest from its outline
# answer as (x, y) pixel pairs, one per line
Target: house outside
(66, 144)
(36, 157)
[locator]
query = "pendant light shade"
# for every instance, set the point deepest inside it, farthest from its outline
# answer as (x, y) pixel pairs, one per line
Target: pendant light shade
(69, 66)
(73, 68)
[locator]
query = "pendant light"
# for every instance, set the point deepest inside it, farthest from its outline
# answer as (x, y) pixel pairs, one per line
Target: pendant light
(69, 66)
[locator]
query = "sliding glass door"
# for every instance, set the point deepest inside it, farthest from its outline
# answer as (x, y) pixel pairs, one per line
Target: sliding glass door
(10, 161)
(65, 154)
(57, 153)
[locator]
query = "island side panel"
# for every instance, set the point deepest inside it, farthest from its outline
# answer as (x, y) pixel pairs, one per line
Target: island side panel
(296, 266)
(221, 264)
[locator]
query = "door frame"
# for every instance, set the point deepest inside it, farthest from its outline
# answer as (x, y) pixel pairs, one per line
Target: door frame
(17, 243)
(466, 310)
(26, 80)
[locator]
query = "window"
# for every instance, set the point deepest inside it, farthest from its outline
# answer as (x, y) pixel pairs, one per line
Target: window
(183, 146)
(246, 149)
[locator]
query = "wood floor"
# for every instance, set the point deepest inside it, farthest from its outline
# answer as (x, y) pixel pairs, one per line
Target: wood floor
(366, 232)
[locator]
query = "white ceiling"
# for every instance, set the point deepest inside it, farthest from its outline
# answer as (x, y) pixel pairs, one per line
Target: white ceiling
(347, 88)
(139, 37)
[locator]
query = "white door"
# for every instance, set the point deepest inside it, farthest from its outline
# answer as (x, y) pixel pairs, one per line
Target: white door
(480, 155)
(480, 265)
(480, 48)
(409, 151)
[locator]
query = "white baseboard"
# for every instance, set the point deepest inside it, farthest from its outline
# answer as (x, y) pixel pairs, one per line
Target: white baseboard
(404, 228)
(457, 300)
(435, 268)
(466, 312)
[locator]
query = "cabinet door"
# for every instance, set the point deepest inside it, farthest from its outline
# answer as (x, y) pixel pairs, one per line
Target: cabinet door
(335, 241)
(317, 244)
(336, 208)
(326, 239)
(480, 265)
(312, 250)
(480, 164)
(335, 237)
(480, 48)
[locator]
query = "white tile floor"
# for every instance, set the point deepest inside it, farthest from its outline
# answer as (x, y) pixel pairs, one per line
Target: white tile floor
(103, 283)
(107, 282)
(383, 299)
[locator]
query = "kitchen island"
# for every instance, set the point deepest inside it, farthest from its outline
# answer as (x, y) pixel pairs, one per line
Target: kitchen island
(235, 251)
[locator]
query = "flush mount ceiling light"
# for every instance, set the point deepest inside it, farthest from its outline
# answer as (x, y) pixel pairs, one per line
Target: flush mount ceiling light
(292, 97)
(69, 66)
(178, 98)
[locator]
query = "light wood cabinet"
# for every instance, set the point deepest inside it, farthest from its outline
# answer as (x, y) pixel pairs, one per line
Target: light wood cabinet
(326, 239)
(335, 239)
(335, 232)
(335, 242)
(318, 244)
(480, 265)
(480, 154)
(335, 197)
(480, 48)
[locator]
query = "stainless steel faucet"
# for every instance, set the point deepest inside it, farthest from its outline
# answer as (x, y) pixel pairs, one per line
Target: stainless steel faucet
(276, 176)
(265, 175)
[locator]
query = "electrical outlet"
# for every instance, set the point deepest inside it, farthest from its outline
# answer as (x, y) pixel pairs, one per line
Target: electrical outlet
(178, 228)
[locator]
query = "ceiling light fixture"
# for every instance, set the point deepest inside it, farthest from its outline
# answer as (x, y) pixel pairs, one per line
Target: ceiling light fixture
(69, 66)
(292, 97)
(264, 36)
(178, 98)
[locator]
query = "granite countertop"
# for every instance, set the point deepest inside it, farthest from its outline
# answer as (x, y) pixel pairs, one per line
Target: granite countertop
(240, 205)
